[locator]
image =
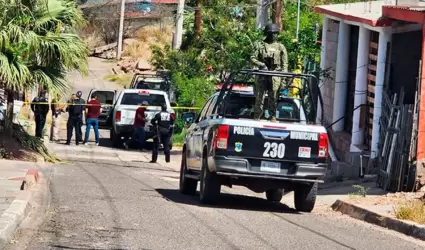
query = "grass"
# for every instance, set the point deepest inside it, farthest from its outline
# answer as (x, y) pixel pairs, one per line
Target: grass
(361, 192)
(144, 38)
(413, 210)
(122, 79)
(178, 139)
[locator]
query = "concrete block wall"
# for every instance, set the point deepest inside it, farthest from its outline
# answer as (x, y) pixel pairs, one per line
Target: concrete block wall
(329, 84)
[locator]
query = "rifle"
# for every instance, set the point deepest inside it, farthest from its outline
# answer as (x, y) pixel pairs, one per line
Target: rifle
(269, 62)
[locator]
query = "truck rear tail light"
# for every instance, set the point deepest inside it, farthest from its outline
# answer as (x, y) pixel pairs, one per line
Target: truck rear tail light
(118, 116)
(220, 141)
(323, 145)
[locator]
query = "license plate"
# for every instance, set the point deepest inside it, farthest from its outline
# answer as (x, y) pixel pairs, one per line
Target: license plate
(304, 152)
(268, 166)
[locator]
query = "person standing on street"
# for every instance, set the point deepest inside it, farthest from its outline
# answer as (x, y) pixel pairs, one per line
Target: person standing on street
(138, 136)
(93, 110)
(269, 55)
(163, 123)
(40, 107)
(78, 95)
(57, 109)
(75, 110)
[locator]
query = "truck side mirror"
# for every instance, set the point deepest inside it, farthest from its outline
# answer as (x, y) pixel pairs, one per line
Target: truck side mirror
(173, 104)
(188, 117)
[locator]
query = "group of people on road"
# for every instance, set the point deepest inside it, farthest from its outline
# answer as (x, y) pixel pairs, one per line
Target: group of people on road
(162, 122)
(77, 107)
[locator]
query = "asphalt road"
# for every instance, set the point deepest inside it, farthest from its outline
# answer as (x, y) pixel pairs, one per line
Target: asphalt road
(105, 198)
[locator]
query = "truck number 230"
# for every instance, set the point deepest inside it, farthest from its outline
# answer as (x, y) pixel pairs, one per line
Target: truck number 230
(274, 150)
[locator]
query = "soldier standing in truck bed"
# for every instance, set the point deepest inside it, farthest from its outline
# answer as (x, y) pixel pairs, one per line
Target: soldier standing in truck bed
(269, 55)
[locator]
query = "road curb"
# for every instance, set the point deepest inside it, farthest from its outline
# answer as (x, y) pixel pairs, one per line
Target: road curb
(31, 178)
(19, 209)
(13, 216)
(406, 227)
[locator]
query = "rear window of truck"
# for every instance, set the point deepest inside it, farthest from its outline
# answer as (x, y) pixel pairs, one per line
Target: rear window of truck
(105, 96)
(138, 99)
(242, 106)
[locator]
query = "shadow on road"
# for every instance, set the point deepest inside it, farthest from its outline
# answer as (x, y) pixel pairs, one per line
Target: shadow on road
(229, 201)
(106, 142)
(368, 188)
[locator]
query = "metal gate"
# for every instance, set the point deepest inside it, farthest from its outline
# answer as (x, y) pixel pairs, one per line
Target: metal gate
(395, 138)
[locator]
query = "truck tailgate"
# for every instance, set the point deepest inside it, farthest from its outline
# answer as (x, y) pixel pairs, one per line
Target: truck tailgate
(128, 112)
(274, 141)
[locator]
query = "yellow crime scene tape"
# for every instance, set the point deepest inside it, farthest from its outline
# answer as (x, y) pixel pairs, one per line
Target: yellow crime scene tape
(103, 105)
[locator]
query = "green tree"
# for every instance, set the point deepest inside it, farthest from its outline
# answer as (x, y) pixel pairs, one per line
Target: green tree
(227, 40)
(38, 45)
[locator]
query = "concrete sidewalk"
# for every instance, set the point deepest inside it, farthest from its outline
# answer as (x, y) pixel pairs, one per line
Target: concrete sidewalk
(16, 177)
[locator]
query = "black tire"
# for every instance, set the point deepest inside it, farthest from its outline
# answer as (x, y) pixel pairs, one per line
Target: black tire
(274, 195)
(210, 185)
(116, 139)
(187, 185)
(305, 197)
(111, 134)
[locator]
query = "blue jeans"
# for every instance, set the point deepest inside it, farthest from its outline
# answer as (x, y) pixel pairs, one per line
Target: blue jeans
(95, 123)
(138, 138)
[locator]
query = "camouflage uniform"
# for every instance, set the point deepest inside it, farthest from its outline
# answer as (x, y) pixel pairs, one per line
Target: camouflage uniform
(270, 55)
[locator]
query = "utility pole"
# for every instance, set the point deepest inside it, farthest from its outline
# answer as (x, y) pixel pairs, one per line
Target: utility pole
(298, 18)
(262, 13)
(198, 18)
(177, 41)
(121, 29)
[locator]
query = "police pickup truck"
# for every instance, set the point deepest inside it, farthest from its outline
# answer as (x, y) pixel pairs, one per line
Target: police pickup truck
(225, 146)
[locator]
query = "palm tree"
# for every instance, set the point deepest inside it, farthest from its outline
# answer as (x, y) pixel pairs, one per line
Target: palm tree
(38, 45)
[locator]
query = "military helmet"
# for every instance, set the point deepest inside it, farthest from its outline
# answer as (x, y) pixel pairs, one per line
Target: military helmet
(271, 28)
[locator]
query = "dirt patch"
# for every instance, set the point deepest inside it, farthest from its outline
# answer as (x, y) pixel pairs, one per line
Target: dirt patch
(388, 199)
(11, 149)
(403, 206)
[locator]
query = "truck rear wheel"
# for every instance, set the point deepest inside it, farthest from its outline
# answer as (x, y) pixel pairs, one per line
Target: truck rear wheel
(210, 185)
(305, 197)
(187, 185)
(274, 195)
(116, 139)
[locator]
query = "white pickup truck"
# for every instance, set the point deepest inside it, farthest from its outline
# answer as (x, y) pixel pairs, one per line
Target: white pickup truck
(125, 108)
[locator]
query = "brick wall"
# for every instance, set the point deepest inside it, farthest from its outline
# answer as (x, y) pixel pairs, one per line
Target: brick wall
(329, 84)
